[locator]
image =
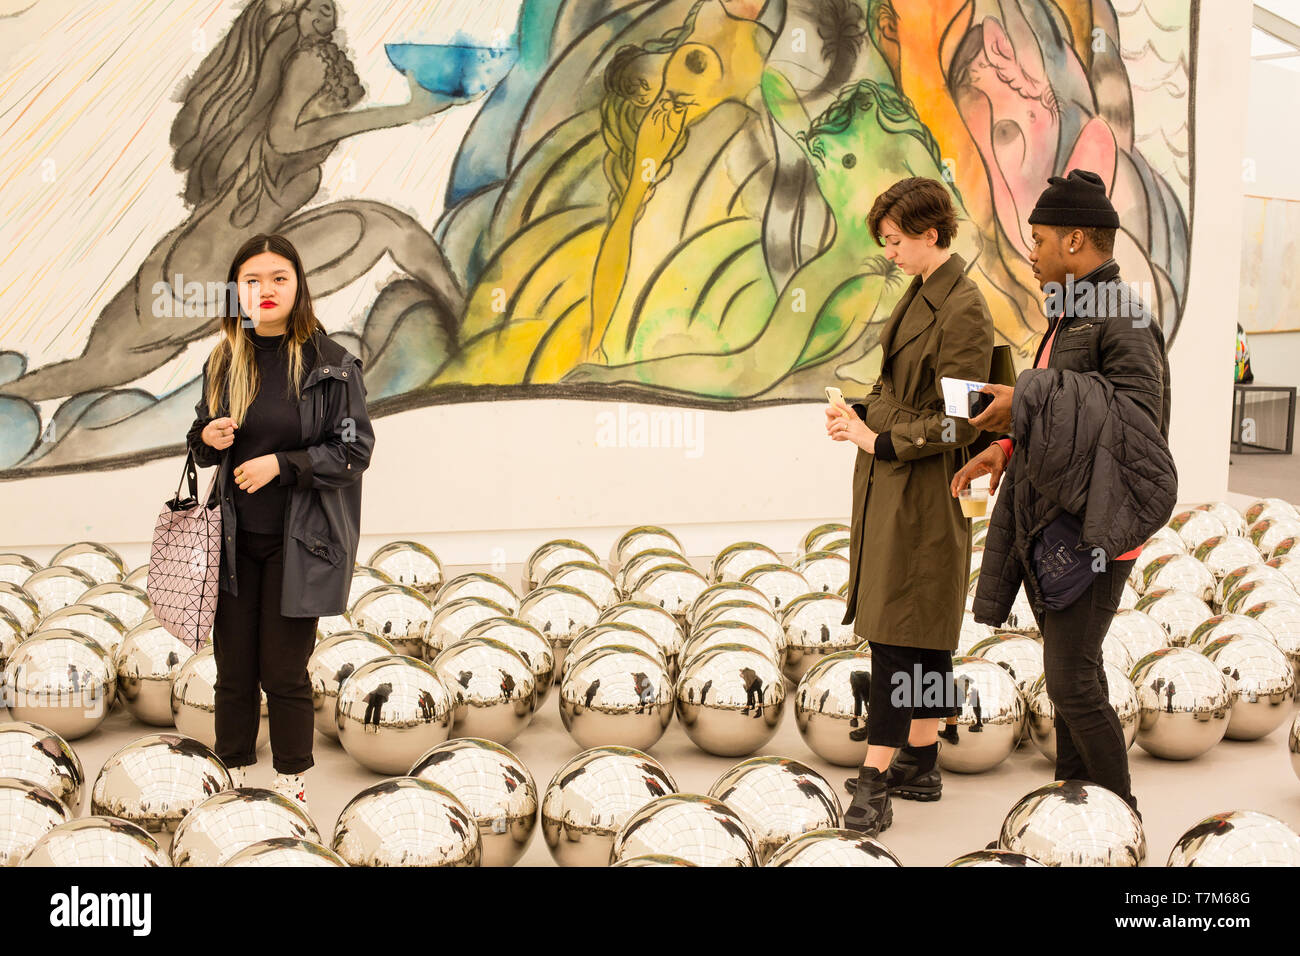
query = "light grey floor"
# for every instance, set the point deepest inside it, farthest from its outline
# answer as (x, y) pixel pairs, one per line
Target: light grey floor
(1265, 476)
(1172, 795)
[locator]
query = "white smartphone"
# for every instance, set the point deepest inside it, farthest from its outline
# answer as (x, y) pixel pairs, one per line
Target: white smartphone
(835, 397)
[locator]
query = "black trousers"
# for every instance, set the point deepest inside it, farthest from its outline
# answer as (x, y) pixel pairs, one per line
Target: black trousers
(907, 684)
(254, 645)
(1089, 739)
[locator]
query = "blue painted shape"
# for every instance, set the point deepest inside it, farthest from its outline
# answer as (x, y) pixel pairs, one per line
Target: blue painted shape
(452, 69)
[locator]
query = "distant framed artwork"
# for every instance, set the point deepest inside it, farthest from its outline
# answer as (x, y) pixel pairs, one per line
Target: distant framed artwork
(1270, 285)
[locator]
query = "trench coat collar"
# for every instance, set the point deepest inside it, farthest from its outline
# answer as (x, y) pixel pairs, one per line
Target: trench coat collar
(329, 360)
(935, 291)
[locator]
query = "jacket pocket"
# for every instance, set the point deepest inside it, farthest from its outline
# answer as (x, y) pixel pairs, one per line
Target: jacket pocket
(313, 532)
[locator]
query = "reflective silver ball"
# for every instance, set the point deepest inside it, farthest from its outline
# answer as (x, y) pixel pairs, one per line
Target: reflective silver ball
(491, 687)
(779, 799)
(390, 710)
(1237, 838)
(399, 614)
(155, 780)
(731, 632)
(654, 859)
(830, 707)
(147, 664)
(1266, 534)
(101, 626)
(1138, 632)
(21, 605)
(1185, 703)
(629, 577)
(478, 584)
(742, 611)
(528, 643)
(1282, 620)
(698, 828)
(96, 842)
(730, 699)
(821, 536)
(989, 720)
(1232, 519)
(29, 812)
(780, 583)
(495, 787)
(661, 626)
(813, 630)
(642, 538)
(409, 563)
(673, 587)
(1181, 572)
(1178, 612)
(194, 701)
(286, 851)
(725, 591)
(560, 613)
(233, 820)
(610, 634)
(363, 580)
(36, 754)
(62, 680)
(550, 554)
(1042, 714)
(57, 586)
(99, 561)
(1072, 823)
(592, 796)
(331, 663)
(1222, 555)
(1246, 574)
(404, 821)
(589, 578)
(453, 619)
(994, 858)
(736, 560)
(1262, 680)
(1293, 745)
(1019, 656)
(1269, 508)
(1224, 625)
(834, 847)
(616, 695)
(825, 571)
(1252, 594)
(1195, 526)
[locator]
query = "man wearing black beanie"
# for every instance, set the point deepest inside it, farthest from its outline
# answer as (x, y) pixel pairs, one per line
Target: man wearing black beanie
(1091, 477)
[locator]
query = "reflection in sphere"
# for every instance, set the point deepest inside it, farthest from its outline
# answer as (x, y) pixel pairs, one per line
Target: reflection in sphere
(1194, 527)
(1042, 714)
(147, 664)
(1262, 680)
(35, 754)
(819, 537)
(96, 842)
(405, 821)
(1138, 632)
(589, 578)
(399, 614)
(331, 663)
(725, 591)
(813, 631)
(21, 605)
(409, 563)
(639, 565)
(1185, 703)
(560, 613)
(731, 632)
(994, 858)
(1181, 572)
(57, 586)
(736, 560)
(1019, 656)
(101, 626)
(639, 539)
(1246, 574)
(830, 707)
(62, 680)
(1282, 620)
(834, 847)
(1178, 612)
(661, 626)
(616, 695)
(491, 686)
(478, 584)
(779, 799)
(990, 716)
(701, 829)
(781, 584)
(1237, 838)
(528, 643)
(673, 587)
(363, 580)
(232, 820)
(1223, 625)
(29, 812)
(1251, 594)
(453, 619)
(592, 796)
(155, 780)
(99, 561)
(1072, 823)
(1269, 508)
(390, 710)
(285, 851)
(825, 571)
(1224, 555)
(1231, 518)
(495, 787)
(730, 699)
(550, 554)
(610, 634)
(194, 701)
(1266, 534)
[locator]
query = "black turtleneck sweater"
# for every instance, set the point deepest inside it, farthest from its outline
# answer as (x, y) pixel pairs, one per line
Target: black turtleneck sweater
(271, 426)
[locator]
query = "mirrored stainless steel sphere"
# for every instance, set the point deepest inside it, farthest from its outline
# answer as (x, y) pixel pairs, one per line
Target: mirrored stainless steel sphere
(492, 688)
(1042, 714)
(822, 535)
(830, 707)
(155, 780)
(1115, 651)
(1195, 526)
(780, 583)
(1293, 745)
(1237, 838)
(834, 847)
(1232, 519)
(1269, 508)
(1289, 565)
(591, 797)
(147, 664)
(1282, 620)
(21, 605)
(331, 663)
(1138, 632)
(101, 626)
(1262, 680)
(399, 614)
(724, 631)
(15, 568)
(96, 842)
(194, 700)
(1251, 594)
(629, 576)
(609, 634)
(405, 821)
(730, 700)
(1225, 625)
(1266, 534)
(742, 611)
(990, 717)
(616, 695)
(662, 627)
(365, 579)
(1258, 571)
(826, 571)
(1021, 617)
(673, 587)
(735, 560)
(1185, 703)
(725, 591)
(495, 787)
(36, 754)
(286, 851)
(639, 539)
(528, 643)
(813, 630)
(654, 859)
(1072, 823)
(390, 710)
(334, 624)
(550, 554)
(60, 679)
(1181, 572)
(1159, 548)
(691, 826)
(589, 578)
(99, 561)
(233, 820)
(779, 799)
(409, 563)
(478, 584)
(11, 635)
(1178, 612)
(560, 613)
(972, 632)
(1019, 656)
(994, 858)
(29, 812)
(453, 619)
(1222, 555)
(57, 586)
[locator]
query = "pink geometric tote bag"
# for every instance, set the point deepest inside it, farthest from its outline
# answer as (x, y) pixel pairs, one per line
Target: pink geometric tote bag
(185, 563)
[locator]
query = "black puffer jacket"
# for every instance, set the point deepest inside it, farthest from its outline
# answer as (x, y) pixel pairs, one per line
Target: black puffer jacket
(1090, 434)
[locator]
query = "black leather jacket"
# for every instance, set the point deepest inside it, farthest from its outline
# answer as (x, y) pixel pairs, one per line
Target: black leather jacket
(322, 526)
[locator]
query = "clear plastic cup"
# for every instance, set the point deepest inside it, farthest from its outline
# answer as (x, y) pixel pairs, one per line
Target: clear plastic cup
(974, 501)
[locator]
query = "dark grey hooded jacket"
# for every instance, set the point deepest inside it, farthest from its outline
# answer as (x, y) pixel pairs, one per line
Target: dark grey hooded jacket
(322, 525)
(1090, 433)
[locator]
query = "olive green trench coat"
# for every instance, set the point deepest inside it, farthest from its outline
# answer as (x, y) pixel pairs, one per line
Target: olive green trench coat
(909, 544)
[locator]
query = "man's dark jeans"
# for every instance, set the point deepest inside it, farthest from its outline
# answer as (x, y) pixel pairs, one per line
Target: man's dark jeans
(1089, 739)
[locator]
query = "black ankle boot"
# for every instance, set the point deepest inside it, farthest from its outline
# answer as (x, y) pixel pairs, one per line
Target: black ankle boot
(913, 775)
(870, 812)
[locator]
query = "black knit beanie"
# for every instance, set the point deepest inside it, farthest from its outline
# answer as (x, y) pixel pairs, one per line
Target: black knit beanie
(1078, 199)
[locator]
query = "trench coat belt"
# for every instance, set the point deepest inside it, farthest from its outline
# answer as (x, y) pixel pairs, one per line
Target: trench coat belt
(890, 400)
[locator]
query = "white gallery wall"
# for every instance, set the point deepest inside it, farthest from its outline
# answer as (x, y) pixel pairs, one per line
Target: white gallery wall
(485, 483)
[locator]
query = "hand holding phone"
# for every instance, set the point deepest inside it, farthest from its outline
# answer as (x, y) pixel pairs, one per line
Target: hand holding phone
(836, 398)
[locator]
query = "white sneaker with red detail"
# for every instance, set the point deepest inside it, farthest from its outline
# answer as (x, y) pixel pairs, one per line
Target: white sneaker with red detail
(293, 786)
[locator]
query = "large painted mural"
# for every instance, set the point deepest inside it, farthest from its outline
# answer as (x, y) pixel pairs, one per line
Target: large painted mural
(655, 199)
